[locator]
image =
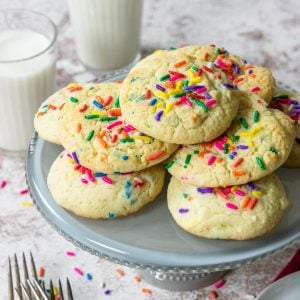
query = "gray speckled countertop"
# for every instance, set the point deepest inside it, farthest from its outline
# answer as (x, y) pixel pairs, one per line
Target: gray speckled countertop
(266, 32)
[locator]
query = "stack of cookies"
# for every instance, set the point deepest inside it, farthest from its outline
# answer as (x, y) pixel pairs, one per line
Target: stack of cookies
(201, 111)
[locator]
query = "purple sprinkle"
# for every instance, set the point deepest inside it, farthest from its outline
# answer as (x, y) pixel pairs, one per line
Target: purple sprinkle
(251, 186)
(205, 190)
(297, 140)
(250, 71)
(296, 107)
(228, 85)
(183, 210)
(142, 133)
(69, 155)
(236, 69)
(159, 87)
(75, 158)
(107, 292)
(243, 147)
(234, 153)
(207, 96)
(158, 115)
(193, 87)
(295, 102)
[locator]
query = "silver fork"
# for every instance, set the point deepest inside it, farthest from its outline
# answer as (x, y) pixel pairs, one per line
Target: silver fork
(32, 289)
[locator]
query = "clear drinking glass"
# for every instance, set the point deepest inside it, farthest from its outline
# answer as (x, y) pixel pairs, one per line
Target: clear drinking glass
(106, 32)
(27, 73)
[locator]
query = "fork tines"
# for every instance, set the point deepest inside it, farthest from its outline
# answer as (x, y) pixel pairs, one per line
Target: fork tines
(31, 288)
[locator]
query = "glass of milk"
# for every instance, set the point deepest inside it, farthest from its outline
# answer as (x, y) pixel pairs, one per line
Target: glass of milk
(27, 73)
(106, 32)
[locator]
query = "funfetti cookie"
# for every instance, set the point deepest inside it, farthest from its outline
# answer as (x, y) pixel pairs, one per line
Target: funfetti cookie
(289, 103)
(177, 98)
(96, 195)
(238, 212)
(257, 143)
(92, 126)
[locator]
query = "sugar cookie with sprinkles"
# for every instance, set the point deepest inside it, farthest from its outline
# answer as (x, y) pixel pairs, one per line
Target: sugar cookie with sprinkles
(289, 103)
(178, 98)
(47, 117)
(97, 195)
(238, 212)
(92, 126)
(257, 143)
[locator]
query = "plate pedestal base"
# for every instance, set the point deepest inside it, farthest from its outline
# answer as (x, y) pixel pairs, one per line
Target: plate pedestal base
(181, 281)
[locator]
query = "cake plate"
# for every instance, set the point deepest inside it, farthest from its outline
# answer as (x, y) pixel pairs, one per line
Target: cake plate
(150, 240)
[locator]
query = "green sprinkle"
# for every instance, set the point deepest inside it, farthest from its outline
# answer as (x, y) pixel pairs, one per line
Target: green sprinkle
(169, 165)
(117, 102)
(185, 195)
(196, 151)
(73, 99)
(129, 140)
(133, 79)
(172, 48)
(202, 105)
(256, 116)
(89, 117)
(273, 149)
(188, 159)
(186, 83)
(106, 119)
(218, 51)
(90, 135)
(283, 96)
(91, 88)
(195, 68)
(179, 95)
(235, 138)
(260, 163)
(226, 148)
(164, 77)
(244, 123)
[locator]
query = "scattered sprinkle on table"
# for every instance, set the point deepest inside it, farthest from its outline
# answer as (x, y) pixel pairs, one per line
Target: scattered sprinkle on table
(78, 271)
(23, 192)
(146, 291)
(213, 295)
(120, 272)
(3, 184)
(26, 203)
(41, 272)
(219, 283)
(70, 253)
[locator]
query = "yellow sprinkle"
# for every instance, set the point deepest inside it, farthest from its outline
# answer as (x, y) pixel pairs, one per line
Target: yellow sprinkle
(152, 109)
(179, 84)
(146, 139)
(100, 113)
(72, 84)
(158, 51)
(26, 203)
(169, 107)
(160, 104)
(191, 74)
(161, 94)
(257, 129)
(55, 291)
(195, 80)
(256, 193)
(174, 91)
(71, 161)
(233, 188)
(245, 133)
(250, 143)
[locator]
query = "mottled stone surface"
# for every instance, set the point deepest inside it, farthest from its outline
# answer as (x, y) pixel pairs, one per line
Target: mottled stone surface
(264, 32)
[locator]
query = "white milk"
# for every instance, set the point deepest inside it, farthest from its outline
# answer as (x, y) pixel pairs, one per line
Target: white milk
(23, 84)
(106, 32)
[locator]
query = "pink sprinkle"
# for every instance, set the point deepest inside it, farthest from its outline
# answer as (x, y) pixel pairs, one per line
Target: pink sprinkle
(78, 271)
(83, 180)
(107, 180)
(70, 253)
(128, 128)
(3, 184)
(219, 146)
(90, 176)
(231, 77)
(239, 192)
(211, 160)
(174, 77)
(210, 102)
(114, 124)
(186, 101)
(227, 190)
(231, 205)
(23, 192)
(220, 283)
(202, 90)
(221, 63)
(255, 89)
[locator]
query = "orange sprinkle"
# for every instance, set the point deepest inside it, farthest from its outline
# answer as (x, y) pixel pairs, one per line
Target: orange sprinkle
(41, 272)
(118, 81)
(102, 133)
(120, 272)
(202, 153)
(231, 147)
(237, 80)
(108, 101)
(155, 155)
(83, 108)
(190, 198)
(238, 173)
(245, 202)
(248, 67)
(102, 142)
(208, 145)
(62, 106)
(218, 76)
(53, 107)
(146, 291)
(125, 134)
(252, 203)
(221, 56)
(137, 278)
(252, 75)
(199, 72)
(206, 56)
(75, 88)
(99, 99)
(147, 94)
(219, 159)
(115, 112)
(180, 63)
(238, 162)
(78, 127)
(41, 113)
(207, 69)
(114, 138)
(169, 85)
(222, 194)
